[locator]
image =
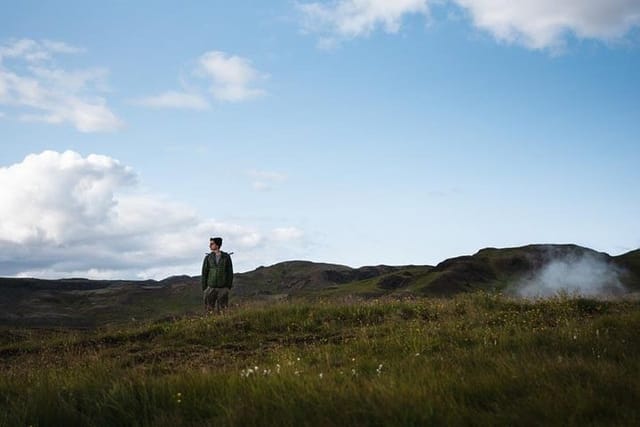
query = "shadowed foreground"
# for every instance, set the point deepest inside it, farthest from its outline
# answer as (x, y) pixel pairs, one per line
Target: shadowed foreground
(474, 359)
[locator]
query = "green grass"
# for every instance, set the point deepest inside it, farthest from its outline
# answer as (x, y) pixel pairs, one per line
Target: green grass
(475, 359)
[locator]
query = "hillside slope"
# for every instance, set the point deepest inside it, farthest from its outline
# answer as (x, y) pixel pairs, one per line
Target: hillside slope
(90, 303)
(473, 359)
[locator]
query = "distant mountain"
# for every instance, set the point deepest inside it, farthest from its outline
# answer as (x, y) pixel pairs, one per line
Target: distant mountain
(91, 303)
(304, 278)
(489, 269)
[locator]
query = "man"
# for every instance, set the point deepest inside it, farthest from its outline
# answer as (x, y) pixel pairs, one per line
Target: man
(217, 277)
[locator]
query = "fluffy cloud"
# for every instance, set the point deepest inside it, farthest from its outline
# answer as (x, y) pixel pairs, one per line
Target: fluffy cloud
(228, 78)
(353, 18)
(33, 51)
(542, 24)
(232, 77)
(62, 214)
(36, 89)
(54, 198)
(536, 24)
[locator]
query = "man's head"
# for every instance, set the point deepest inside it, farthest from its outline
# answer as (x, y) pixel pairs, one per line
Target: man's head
(215, 243)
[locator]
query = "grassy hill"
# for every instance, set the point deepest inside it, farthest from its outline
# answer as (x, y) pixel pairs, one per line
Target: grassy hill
(472, 359)
(321, 344)
(89, 303)
(490, 269)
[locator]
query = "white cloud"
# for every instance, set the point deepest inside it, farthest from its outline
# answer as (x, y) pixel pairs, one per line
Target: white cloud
(35, 89)
(540, 24)
(56, 197)
(33, 51)
(536, 24)
(232, 77)
(60, 47)
(62, 214)
(265, 180)
(354, 18)
(173, 99)
(228, 78)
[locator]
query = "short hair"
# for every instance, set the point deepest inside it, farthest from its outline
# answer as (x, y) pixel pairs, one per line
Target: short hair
(216, 240)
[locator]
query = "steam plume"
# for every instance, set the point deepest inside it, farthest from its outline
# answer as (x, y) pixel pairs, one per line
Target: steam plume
(583, 274)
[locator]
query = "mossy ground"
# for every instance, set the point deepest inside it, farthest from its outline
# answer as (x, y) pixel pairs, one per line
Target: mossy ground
(476, 359)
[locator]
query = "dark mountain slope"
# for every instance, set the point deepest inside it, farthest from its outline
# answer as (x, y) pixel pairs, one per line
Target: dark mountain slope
(630, 265)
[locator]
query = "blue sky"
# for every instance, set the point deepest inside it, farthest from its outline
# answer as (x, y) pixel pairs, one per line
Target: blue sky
(357, 132)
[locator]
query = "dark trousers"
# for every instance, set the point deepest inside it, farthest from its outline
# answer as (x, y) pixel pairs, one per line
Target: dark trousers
(216, 299)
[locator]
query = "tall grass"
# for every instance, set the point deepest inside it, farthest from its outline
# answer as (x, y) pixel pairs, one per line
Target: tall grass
(472, 360)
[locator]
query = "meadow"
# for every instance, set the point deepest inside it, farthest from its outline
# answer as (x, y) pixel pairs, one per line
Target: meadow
(473, 359)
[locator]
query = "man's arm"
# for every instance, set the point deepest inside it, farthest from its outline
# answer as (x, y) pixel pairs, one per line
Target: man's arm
(205, 273)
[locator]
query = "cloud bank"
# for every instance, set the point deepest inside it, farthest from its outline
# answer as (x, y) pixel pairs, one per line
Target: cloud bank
(535, 24)
(35, 88)
(63, 215)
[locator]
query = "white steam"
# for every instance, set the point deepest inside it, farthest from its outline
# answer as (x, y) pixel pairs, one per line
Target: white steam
(585, 274)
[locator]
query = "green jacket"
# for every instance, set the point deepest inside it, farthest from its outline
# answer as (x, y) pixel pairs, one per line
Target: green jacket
(217, 275)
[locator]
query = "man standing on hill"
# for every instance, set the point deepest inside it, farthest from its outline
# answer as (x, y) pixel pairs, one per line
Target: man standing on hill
(217, 277)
